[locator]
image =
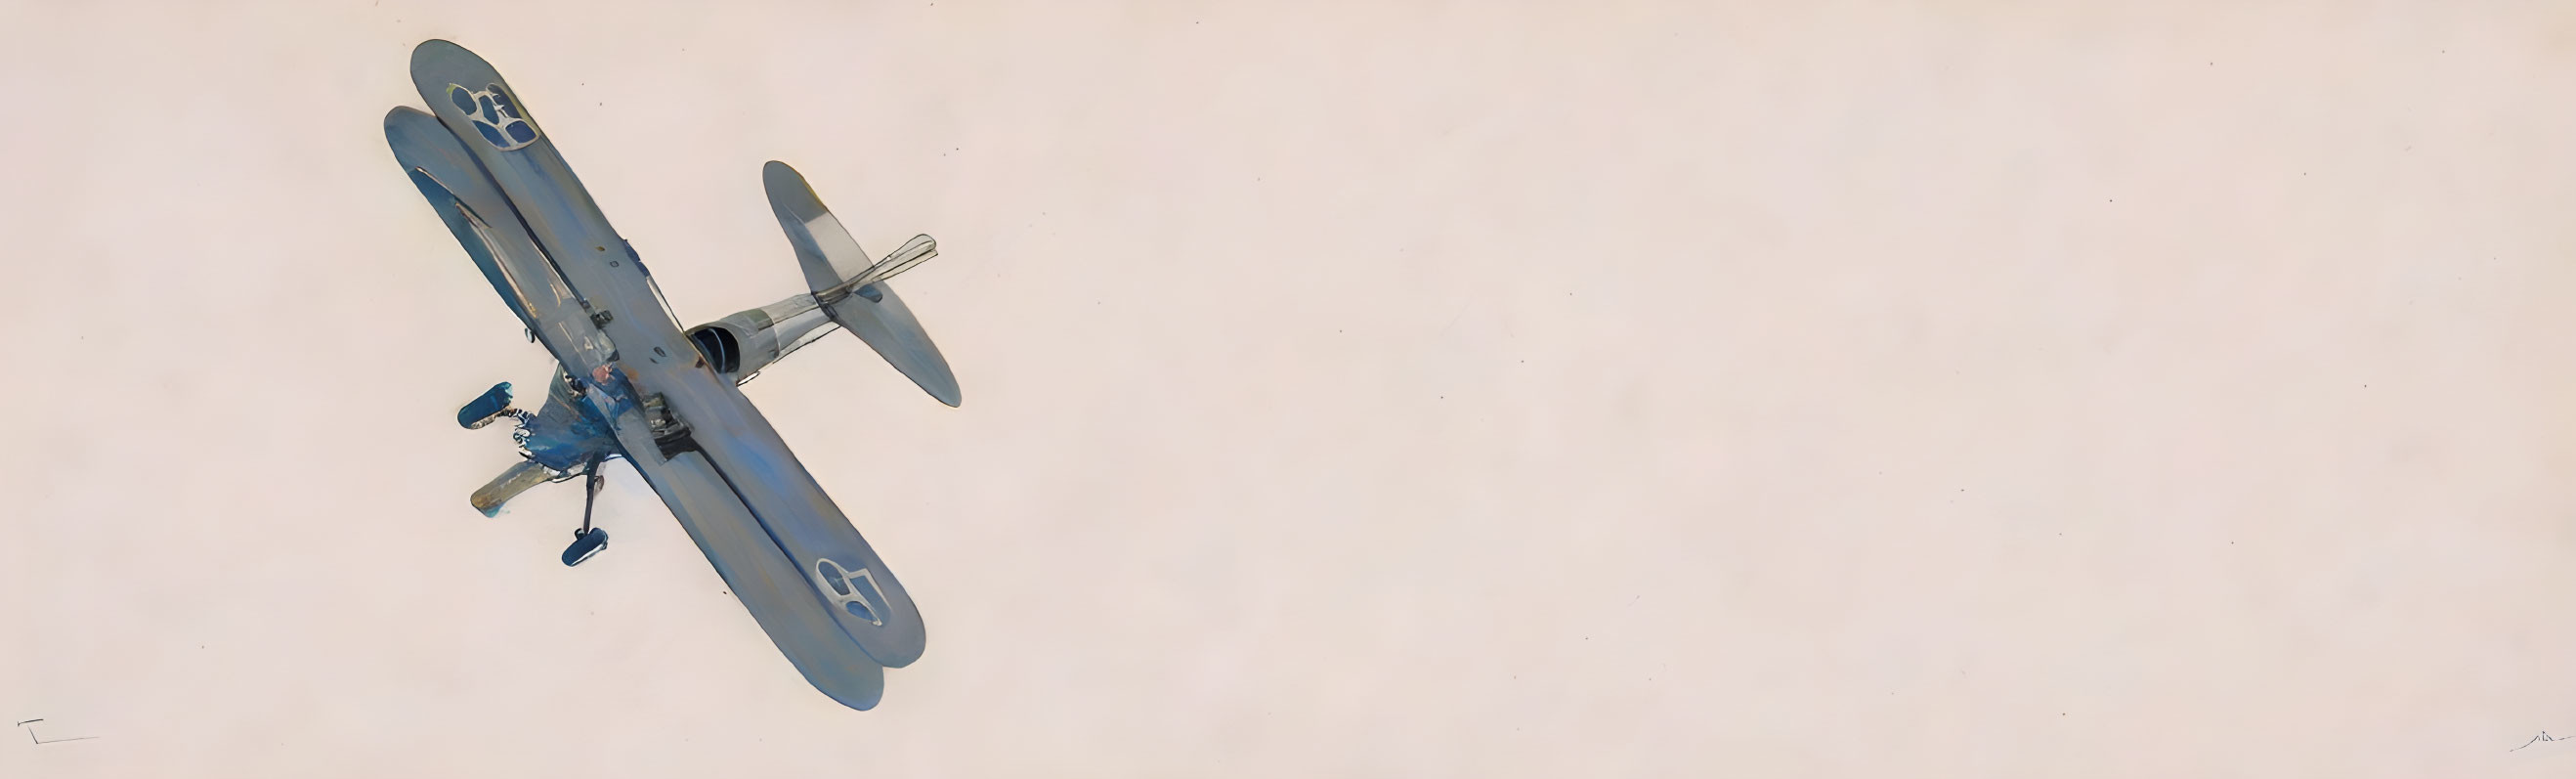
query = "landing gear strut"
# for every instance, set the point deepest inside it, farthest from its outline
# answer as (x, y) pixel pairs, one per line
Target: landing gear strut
(588, 540)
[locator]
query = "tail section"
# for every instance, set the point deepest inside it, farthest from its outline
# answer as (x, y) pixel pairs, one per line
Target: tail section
(851, 289)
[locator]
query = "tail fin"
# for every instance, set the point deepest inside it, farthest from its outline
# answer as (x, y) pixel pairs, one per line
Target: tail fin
(853, 290)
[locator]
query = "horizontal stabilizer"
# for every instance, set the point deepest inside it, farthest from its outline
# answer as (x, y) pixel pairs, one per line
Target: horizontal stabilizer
(851, 289)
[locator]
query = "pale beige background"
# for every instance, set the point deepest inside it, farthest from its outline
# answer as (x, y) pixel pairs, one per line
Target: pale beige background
(1386, 389)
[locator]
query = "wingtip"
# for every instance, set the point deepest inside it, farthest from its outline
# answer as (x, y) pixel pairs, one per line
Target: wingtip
(863, 698)
(432, 47)
(395, 116)
(941, 385)
(864, 704)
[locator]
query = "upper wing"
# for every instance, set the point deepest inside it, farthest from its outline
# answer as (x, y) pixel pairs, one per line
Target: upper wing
(729, 442)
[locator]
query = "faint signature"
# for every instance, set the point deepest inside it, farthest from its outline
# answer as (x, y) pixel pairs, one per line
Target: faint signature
(2544, 736)
(30, 725)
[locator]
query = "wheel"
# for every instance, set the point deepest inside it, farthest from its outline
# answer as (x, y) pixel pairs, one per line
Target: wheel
(584, 545)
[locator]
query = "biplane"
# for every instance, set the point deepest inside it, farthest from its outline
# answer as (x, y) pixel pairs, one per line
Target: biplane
(632, 385)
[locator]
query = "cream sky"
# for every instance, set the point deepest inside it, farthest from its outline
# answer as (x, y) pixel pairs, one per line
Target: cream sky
(1392, 389)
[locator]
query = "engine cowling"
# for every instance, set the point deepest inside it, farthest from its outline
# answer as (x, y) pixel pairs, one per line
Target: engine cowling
(740, 345)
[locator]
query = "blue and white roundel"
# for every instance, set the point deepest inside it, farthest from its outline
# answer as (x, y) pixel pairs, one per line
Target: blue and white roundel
(854, 590)
(495, 116)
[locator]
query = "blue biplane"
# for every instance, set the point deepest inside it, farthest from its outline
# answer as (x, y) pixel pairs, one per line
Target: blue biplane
(632, 385)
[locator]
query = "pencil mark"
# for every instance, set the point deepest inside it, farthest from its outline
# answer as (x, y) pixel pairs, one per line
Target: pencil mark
(40, 740)
(2544, 736)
